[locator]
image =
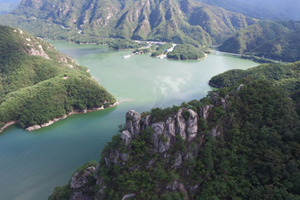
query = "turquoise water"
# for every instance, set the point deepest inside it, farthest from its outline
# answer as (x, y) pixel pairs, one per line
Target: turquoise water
(33, 163)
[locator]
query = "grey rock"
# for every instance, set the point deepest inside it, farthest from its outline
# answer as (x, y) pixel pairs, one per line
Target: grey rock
(192, 125)
(170, 126)
(187, 156)
(133, 120)
(194, 189)
(240, 87)
(126, 137)
(180, 129)
(124, 156)
(80, 178)
(107, 161)
(151, 162)
(164, 145)
(215, 131)
(128, 196)
(224, 102)
(146, 121)
(178, 161)
(204, 111)
(158, 129)
(183, 190)
(175, 186)
(32, 128)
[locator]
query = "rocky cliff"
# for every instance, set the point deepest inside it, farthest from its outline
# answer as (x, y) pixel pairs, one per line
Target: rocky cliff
(194, 151)
(179, 21)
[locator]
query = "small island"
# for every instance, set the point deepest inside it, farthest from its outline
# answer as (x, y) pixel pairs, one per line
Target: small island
(186, 52)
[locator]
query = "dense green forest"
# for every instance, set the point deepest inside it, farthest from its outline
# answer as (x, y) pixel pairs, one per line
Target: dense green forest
(247, 146)
(286, 76)
(186, 52)
(266, 39)
(38, 83)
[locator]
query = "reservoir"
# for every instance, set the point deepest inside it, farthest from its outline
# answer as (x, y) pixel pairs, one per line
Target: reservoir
(33, 163)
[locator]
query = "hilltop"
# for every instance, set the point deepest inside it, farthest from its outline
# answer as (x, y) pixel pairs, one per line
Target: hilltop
(177, 21)
(38, 84)
(268, 39)
(237, 143)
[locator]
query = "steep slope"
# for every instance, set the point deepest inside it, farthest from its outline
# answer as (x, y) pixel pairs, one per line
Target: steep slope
(240, 143)
(283, 75)
(285, 48)
(38, 83)
(249, 38)
(180, 21)
(273, 40)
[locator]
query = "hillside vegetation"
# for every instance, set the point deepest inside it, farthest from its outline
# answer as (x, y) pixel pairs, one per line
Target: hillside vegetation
(237, 143)
(286, 76)
(177, 21)
(38, 83)
(267, 39)
(186, 52)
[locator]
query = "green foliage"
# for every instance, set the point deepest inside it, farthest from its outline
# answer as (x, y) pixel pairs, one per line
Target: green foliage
(283, 75)
(34, 90)
(186, 52)
(266, 41)
(61, 193)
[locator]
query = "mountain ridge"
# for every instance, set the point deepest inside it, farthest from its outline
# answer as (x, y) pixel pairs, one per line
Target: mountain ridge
(167, 20)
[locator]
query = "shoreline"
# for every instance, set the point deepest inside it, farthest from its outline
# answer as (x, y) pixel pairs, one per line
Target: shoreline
(74, 112)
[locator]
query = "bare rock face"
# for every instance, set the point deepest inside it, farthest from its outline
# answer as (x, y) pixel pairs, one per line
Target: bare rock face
(216, 131)
(146, 122)
(204, 111)
(178, 161)
(126, 137)
(170, 126)
(164, 144)
(192, 125)
(181, 124)
(133, 120)
(81, 178)
(128, 196)
(158, 129)
(240, 87)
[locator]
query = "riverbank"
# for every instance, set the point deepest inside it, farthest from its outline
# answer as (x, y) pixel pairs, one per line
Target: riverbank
(74, 112)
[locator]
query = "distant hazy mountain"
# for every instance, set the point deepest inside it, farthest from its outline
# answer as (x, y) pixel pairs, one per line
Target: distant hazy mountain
(267, 9)
(179, 21)
(7, 6)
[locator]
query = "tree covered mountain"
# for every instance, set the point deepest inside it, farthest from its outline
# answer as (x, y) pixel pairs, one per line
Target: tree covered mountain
(237, 143)
(285, 76)
(179, 21)
(39, 84)
(269, 39)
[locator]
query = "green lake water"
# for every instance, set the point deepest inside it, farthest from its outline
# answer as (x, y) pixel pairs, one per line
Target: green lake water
(33, 163)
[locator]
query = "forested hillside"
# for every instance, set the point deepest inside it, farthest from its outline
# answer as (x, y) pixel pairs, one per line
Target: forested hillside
(283, 75)
(38, 83)
(177, 21)
(273, 40)
(237, 143)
